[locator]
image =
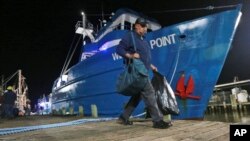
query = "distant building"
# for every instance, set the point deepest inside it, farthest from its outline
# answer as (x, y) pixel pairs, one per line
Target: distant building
(44, 105)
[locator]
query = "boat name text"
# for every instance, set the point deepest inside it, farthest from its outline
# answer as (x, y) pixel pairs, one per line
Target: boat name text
(163, 41)
(158, 42)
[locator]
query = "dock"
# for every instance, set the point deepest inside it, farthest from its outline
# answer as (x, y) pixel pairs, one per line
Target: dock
(228, 107)
(182, 130)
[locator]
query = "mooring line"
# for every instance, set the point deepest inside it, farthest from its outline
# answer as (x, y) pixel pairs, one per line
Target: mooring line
(8, 131)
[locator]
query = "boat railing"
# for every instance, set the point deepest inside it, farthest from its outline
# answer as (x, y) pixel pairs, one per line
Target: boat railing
(98, 33)
(79, 24)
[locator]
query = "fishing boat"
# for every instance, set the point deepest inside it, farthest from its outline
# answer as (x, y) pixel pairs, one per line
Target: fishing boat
(189, 54)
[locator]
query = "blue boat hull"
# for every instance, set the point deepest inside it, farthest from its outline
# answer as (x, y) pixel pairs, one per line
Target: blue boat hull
(198, 48)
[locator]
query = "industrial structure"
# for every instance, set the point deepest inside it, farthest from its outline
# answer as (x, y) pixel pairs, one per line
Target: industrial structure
(17, 81)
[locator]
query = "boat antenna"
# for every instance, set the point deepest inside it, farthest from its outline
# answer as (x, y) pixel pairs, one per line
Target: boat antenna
(102, 12)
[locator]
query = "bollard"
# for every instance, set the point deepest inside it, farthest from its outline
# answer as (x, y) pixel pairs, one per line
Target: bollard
(81, 111)
(63, 110)
(94, 111)
(60, 112)
(71, 110)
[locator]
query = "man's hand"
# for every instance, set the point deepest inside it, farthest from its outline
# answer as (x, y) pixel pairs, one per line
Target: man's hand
(154, 68)
(134, 55)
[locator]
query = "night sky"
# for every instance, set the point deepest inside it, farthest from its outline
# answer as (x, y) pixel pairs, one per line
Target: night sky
(35, 36)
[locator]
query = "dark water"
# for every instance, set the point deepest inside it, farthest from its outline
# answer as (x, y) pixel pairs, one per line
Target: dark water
(230, 116)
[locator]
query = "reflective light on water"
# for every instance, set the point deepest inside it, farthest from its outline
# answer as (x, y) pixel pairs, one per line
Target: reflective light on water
(229, 116)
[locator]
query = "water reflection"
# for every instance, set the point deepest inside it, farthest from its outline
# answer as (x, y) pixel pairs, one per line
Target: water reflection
(235, 116)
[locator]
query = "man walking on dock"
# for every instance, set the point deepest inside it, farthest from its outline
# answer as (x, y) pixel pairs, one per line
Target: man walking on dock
(127, 50)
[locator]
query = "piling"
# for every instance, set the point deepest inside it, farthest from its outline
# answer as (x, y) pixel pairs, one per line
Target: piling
(71, 110)
(245, 108)
(63, 111)
(94, 111)
(212, 109)
(81, 111)
(224, 106)
(233, 102)
(240, 107)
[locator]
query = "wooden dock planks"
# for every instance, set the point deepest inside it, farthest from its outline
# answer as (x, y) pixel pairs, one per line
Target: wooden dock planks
(182, 130)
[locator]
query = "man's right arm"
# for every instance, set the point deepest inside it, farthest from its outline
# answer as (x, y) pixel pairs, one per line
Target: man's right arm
(123, 48)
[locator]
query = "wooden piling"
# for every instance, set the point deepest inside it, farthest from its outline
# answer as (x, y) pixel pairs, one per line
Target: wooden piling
(233, 102)
(94, 111)
(71, 110)
(81, 111)
(224, 106)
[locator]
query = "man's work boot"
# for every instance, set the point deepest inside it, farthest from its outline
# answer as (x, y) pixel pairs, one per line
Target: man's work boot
(122, 120)
(161, 124)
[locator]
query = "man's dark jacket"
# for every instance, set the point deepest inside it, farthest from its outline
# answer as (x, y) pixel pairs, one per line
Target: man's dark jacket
(142, 47)
(9, 97)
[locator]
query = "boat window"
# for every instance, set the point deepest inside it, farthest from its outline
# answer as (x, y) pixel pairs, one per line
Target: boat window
(87, 40)
(127, 25)
(149, 30)
(118, 27)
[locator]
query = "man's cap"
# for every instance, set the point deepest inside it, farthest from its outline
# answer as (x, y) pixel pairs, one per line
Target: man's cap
(9, 88)
(141, 21)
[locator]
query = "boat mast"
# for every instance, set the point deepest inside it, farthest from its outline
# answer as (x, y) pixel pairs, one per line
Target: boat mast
(83, 30)
(83, 26)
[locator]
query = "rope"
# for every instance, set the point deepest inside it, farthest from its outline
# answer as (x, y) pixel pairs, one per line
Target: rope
(177, 61)
(8, 131)
(71, 46)
(71, 55)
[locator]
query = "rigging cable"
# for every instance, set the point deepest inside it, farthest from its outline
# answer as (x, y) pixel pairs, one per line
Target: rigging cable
(65, 65)
(195, 9)
(179, 10)
(176, 64)
(9, 78)
(65, 69)
(71, 45)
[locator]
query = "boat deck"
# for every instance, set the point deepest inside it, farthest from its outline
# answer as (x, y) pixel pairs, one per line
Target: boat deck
(182, 130)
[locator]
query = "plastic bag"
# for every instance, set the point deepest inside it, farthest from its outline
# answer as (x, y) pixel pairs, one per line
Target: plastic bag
(164, 95)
